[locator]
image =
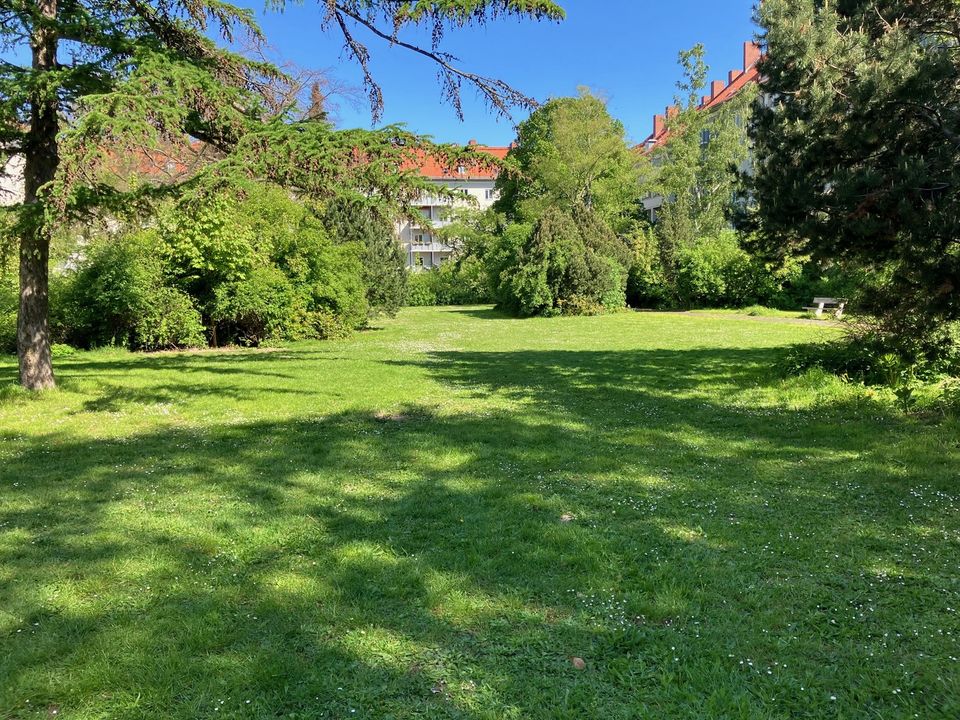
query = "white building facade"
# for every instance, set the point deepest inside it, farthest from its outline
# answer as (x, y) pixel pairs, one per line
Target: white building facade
(11, 181)
(424, 247)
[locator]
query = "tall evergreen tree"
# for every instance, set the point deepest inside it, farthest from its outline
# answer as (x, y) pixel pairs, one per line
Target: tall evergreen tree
(384, 262)
(858, 149)
(111, 78)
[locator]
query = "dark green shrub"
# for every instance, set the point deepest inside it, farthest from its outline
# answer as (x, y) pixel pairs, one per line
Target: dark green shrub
(870, 355)
(569, 263)
(384, 264)
(807, 280)
(327, 276)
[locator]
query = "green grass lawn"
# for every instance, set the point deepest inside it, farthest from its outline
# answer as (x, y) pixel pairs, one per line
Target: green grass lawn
(435, 518)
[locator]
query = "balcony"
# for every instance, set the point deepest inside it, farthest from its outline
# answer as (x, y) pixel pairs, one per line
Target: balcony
(429, 247)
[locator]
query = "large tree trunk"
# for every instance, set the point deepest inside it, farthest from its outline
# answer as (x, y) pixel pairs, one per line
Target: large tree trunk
(33, 333)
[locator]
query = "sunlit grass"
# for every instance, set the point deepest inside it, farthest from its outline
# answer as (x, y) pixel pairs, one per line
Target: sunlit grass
(434, 518)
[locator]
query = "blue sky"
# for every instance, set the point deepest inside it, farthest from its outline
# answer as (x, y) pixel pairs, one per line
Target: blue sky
(624, 49)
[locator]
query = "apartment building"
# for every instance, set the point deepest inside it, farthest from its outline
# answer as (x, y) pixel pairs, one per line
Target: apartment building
(423, 246)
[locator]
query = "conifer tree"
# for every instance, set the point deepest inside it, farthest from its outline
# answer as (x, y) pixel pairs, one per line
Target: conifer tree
(384, 262)
(858, 151)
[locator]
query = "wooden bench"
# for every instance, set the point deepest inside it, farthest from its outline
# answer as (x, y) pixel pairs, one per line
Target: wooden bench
(836, 305)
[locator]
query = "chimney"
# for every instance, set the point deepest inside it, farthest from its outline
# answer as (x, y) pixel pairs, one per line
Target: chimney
(751, 54)
(716, 87)
(705, 100)
(657, 125)
(673, 111)
(733, 75)
(472, 143)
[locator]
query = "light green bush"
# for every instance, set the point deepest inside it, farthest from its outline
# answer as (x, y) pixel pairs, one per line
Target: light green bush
(119, 297)
(421, 289)
(260, 307)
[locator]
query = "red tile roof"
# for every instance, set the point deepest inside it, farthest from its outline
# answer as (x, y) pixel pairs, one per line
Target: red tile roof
(435, 169)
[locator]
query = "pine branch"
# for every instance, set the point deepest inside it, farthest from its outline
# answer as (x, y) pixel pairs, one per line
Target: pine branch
(499, 95)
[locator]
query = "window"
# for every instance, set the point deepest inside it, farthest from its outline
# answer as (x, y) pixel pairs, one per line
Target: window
(425, 212)
(461, 170)
(490, 194)
(419, 239)
(704, 138)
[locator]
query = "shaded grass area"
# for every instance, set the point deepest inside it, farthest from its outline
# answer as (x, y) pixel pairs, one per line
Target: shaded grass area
(432, 520)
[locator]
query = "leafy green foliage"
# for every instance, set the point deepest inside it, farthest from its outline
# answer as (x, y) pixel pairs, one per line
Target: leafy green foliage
(119, 296)
(571, 153)
(288, 281)
(422, 290)
(697, 168)
(858, 157)
(572, 182)
(949, 400)
(8, 310)
(691, 257)
(148, 76)
(245, 264)
(718, 272)
(647, 282)
(206, 241)
(569, 264)
(462, 281)
(263, 306)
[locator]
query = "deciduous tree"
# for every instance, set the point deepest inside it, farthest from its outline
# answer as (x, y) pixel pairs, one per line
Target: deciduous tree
(572, 153)
(697, 166)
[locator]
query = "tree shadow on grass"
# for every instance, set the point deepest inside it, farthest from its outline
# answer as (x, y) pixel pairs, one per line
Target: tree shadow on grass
(415, 564)
(480, 312)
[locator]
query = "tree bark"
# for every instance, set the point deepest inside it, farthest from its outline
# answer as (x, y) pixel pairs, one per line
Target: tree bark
(42, 158)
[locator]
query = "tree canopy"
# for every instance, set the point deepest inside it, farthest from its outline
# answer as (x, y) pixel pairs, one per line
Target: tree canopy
(571, 152)
(696, 168)
(575, 184)
(858, 151)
